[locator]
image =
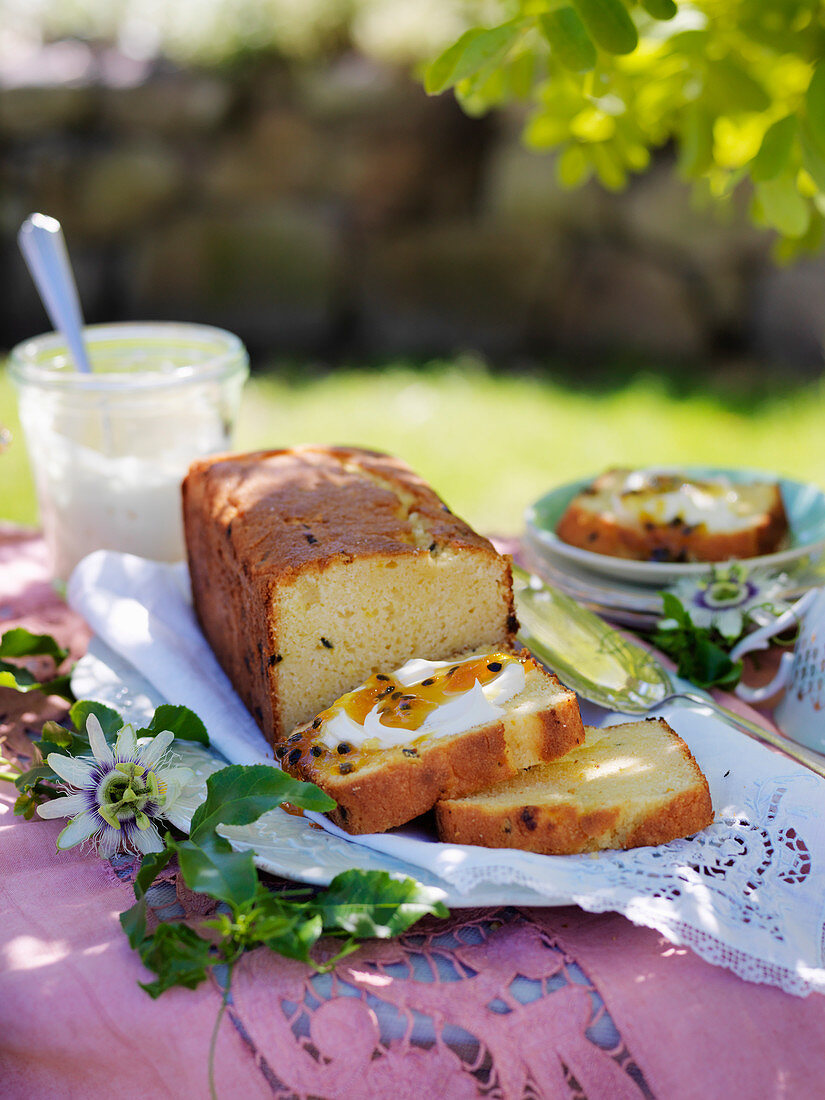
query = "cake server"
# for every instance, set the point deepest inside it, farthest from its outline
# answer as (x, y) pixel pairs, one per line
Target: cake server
(603, 666)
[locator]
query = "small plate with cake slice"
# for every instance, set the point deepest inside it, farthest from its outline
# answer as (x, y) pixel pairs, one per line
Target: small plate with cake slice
(650, 528)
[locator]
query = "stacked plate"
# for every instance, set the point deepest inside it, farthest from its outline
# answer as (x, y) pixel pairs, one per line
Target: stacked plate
(627, 592)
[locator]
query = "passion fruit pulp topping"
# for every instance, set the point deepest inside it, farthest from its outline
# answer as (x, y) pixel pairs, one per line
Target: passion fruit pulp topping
(407, 706)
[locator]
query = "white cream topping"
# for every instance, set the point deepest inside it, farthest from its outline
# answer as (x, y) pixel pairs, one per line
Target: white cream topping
(717, 505)
(481, 704)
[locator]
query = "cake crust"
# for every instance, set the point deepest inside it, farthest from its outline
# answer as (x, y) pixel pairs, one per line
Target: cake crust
(390, 787)
(549, 810)
(311, 535)
(601, 519)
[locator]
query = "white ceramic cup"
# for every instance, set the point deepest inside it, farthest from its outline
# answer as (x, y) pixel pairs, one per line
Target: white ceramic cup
(800, 713)
(110, 448)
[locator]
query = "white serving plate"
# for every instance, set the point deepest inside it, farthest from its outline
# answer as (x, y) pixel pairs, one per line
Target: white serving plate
(804, 504)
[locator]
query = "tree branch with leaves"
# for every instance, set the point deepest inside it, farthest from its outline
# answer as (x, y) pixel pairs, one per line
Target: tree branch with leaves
(738, 87)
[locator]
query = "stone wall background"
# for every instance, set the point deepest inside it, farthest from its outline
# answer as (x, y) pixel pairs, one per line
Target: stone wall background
(334, 210)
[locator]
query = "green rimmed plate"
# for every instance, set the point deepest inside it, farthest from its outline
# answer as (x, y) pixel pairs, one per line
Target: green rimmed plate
(804, 504)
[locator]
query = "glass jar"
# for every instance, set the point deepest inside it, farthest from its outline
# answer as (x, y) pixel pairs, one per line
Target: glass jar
(110, 448)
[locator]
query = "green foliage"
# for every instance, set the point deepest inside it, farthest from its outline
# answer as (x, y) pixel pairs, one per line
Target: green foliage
(182, 722)
(738, 87)
(699, 652)
(357, 904)
(19, 643)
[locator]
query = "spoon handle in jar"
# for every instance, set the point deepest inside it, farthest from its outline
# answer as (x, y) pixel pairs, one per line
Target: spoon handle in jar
(44, 250)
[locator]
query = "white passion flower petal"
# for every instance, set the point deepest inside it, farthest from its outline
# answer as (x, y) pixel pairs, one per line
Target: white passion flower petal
(75, 771)
(172, 782)
(80, 828)
(97, 740)
(150, 754)
(63, 807)
(126, 743)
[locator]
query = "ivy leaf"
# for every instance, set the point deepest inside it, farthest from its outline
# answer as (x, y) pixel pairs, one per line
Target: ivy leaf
(178, 955)
(111, 722)
(569, 42)
(371, 904)
(474, 49)
(179, 720)
(609, 24)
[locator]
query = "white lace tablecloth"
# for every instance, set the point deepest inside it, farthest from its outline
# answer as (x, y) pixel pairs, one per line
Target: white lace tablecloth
(747, 893)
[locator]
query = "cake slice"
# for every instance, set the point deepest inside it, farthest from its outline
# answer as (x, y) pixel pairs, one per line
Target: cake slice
(315, 567)
(649, 515)
(625, 786)
(390, 750)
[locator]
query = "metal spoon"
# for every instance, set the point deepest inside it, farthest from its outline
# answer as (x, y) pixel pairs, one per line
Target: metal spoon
(44, 250)
(603, 666)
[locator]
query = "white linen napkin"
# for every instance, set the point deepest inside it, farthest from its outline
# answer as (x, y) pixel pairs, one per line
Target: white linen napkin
(747, 893)
(143, 611)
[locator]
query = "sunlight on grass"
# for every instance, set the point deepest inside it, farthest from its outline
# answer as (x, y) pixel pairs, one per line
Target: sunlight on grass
(492, 443)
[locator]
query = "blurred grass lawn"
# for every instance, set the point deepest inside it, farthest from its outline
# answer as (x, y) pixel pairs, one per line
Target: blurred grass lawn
(491, 443)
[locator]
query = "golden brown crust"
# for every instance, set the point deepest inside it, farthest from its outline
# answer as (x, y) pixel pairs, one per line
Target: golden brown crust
(590, 524)
(259, 523)
(551, 819)
(390, 787)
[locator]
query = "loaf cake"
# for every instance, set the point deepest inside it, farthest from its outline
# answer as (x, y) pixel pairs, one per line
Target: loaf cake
(313, 568)
(625, 786)
(663, 516)
(389, 750)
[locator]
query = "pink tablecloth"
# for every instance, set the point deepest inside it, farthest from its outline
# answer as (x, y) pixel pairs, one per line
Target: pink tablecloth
(500, 1003)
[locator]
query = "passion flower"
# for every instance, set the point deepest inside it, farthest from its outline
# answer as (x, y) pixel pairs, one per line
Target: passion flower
(115, 798)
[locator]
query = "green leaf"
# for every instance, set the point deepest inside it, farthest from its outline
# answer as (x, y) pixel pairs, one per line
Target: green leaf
(775, 150)
(815, 106)
(178, 955)
(573, 167)
(29, 779)
(813, 158)
(17, 678)
(569, 42)
(20, 642)
(783, 207)
(733, 89)
(609, 24)
(239, 794)
(212, 867)
(133, 921)
(111, 722)
(660, 9)
(696, 144)
(179, 720)
(370, 904)
(25, 805)
(475, 49)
